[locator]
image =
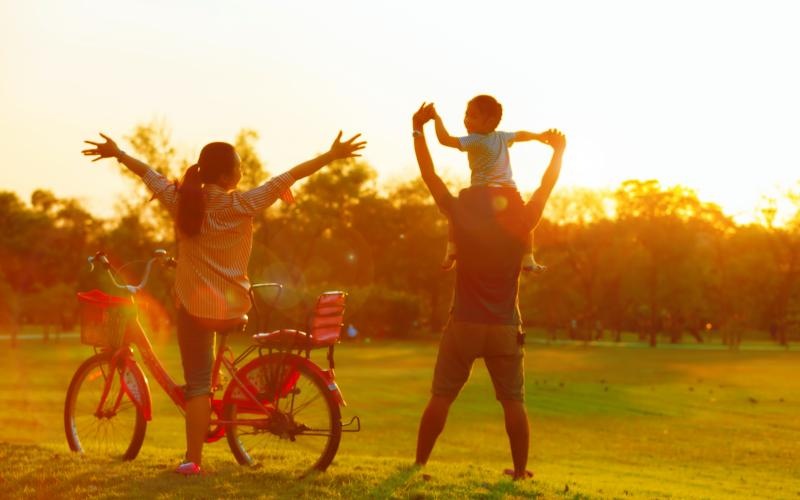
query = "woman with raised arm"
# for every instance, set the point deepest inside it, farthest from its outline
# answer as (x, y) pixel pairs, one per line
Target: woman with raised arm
(215, 235)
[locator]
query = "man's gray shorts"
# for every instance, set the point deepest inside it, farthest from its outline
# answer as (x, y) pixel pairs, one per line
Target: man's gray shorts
(501, 348)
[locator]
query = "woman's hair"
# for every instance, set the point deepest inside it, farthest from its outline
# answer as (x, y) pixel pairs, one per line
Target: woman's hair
(216, 160)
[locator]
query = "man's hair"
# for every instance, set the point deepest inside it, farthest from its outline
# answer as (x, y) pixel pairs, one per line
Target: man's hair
(489, 107)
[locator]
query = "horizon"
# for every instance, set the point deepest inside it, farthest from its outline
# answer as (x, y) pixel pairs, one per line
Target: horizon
(784, 211)
(700, 96)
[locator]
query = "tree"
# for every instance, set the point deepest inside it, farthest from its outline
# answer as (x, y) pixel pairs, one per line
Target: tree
(253, 172)
(42, 251)
(410, 236)
(784, 308)
(658, 220)
(151, 142)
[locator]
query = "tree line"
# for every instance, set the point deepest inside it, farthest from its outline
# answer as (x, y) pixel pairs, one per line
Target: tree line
(642, 258)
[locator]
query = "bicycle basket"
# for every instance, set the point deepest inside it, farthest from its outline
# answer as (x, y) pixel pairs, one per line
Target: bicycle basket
(104, 318)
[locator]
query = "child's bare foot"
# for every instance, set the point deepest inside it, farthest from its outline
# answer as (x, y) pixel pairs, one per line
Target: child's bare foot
(529, 265)
(518, 476)
(449, 257)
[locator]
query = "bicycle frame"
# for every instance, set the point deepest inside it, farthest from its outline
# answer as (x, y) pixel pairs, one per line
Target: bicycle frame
(136, 386)
(274, 395)
(134, 383)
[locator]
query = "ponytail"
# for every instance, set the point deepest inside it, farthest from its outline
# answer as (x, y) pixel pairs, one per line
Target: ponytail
(191, 202)
(217, 159)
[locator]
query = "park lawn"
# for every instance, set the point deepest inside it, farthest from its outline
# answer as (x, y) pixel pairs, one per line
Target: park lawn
(606, 423)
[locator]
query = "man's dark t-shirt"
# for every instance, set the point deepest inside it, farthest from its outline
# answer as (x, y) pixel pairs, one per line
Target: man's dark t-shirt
(490, 227)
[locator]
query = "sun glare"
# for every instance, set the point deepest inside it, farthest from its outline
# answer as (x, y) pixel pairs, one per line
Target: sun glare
(689, 112)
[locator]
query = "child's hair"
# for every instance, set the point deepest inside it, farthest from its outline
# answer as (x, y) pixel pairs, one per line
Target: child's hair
(216, 160)
(489, 107)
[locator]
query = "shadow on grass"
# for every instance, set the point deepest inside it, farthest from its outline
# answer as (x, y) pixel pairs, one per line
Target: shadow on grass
(394, 482)
(411, 481)
(505, 488)
(40, 472)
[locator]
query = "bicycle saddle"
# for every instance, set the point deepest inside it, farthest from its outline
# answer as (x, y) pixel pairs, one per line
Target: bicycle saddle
(224, 325)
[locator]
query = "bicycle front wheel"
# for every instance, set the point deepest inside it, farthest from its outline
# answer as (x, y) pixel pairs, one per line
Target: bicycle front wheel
(296, 424)
(114, 429)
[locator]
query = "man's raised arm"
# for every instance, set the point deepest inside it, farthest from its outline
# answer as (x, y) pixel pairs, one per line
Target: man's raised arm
(441, 195)
(535, 205)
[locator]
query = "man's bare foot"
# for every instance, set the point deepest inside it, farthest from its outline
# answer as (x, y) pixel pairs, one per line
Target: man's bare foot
(418, 467)
(518, 476)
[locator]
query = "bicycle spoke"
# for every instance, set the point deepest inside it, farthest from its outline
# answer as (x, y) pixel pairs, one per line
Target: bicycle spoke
(305, 405)
(299, 432)
(117, 428)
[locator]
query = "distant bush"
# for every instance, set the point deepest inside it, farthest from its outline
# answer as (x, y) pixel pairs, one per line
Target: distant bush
(382, 312)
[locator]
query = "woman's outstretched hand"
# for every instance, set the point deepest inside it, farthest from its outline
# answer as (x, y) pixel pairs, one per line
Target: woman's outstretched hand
(347, 149)
(108, 149)
(339, 151)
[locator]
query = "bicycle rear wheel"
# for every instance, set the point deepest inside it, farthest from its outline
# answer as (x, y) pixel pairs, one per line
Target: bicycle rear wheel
(301, 427)
(117, 429)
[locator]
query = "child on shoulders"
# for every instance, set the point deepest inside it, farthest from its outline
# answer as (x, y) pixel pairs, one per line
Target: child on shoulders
(487, 153)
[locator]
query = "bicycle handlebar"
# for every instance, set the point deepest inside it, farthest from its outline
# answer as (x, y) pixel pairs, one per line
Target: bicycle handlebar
(158, 255)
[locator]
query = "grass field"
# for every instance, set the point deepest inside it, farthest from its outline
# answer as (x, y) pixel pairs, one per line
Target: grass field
(606, 423)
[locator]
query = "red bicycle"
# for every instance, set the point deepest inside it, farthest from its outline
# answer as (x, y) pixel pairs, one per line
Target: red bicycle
(278, 405)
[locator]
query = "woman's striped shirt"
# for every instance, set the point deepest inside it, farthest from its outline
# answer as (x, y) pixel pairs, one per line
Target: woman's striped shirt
(211, 278)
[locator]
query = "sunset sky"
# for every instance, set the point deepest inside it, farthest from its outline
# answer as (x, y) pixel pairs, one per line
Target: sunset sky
(700, 93)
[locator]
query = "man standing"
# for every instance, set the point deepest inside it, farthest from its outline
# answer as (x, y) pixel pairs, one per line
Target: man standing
(490, 227)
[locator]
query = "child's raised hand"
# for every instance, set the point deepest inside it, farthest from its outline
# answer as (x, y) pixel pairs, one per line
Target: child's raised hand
(554, 138)
(108, 149)
(347, 149)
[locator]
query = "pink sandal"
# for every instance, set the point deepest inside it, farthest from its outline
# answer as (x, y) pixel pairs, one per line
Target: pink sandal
(188, 469)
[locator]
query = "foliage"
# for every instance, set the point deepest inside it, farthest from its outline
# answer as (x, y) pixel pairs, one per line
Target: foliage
(384, 312)
(646, 258)
(253, 172)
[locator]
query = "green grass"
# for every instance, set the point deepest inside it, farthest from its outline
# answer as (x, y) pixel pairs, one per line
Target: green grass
(606, 423)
